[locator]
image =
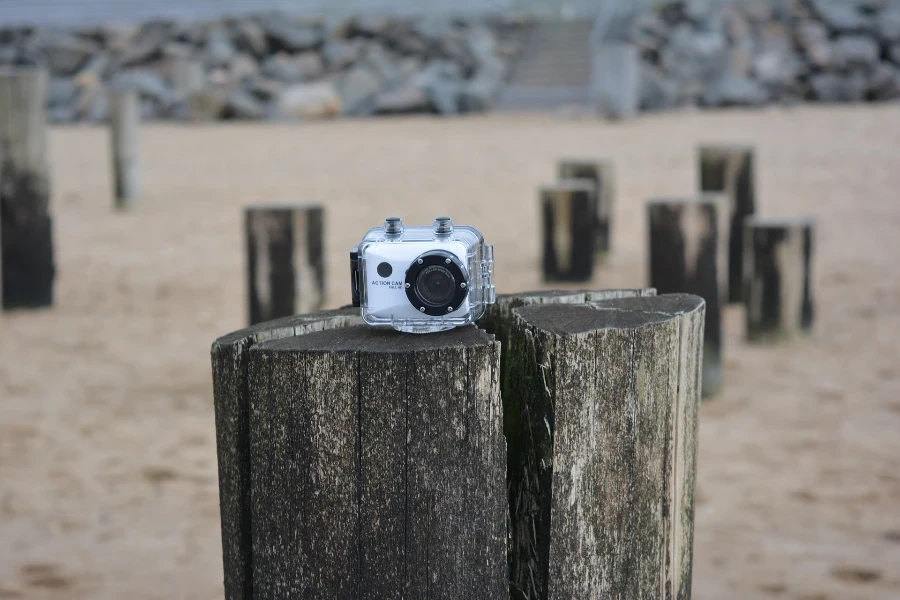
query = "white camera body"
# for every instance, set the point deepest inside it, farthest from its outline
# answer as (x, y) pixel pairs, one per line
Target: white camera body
(422, 279)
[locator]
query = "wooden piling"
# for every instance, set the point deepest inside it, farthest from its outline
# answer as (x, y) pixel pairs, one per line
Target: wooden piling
(568, 211)
(285, 260)
(602, 174)
(730, 169)
(26, 227)
(683, 251)
(778, 255)
(125, 118)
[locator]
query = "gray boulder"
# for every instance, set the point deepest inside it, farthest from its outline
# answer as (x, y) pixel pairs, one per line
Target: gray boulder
(358, 88)
(777, 67)
(657, 92)
(144, 47)
(340, 54)
(836, 87)
(442, 82)
(293, 68)
(856, 51)
(812, 38)
(894, 53)
(64, 53)
(888, 23)
(283, 34)
(408, 98)
(243, 105)
(219, 50)
(250, 36)
(734, 90)
(842, 16)
(693, 59)
(310, 101)
(149, 84)
(884, 82)
(61, 91)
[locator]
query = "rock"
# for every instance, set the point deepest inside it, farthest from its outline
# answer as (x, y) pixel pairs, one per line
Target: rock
(244, 105)
(265, 89)
(149, 84)
(841, 16)
(693, 59)
(358, 88)
(369, 26)
(290, 37)
(812, 38)
(740, 57)
(758, 11)
(208, 104)
(888, 23)
(61, 91)
(9, 54)
(734, 90)
(250, 37)
(310, 101)
(243, 67)
(482, 45)
(894, 53)
(441, 81)
(61, 114)
(96, 68)
(98, 109)
(384, 63)
(884, 82)
(777, 67)
(65, 54)
(293, 68)
(340, 54)
(145, 47)
(835, 87)
(219, 50)
(856, 51)
(407, 98)
(479, 92)
(657, 92)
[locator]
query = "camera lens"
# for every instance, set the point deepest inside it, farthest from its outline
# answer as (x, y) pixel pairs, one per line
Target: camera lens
(435, 285)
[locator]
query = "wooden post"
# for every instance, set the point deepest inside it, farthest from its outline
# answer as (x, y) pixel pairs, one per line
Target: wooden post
(360, 463)
(285, 260)
(124, 119)
(600, 415)
(684, 250)
(729, 169)
(568, 210)
(778, 277)
(602, 174)
(26, 228)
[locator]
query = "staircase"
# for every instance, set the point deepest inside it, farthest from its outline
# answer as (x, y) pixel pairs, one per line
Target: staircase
(553, 69)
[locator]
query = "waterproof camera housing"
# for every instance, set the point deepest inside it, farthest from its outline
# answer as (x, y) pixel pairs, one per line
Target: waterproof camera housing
(422, 279)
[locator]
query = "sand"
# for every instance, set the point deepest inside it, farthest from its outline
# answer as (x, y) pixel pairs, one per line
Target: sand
(108, 482)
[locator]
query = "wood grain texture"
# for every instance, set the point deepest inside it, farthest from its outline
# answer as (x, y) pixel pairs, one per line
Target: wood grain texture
(231, 390)
(26, 228)
(124, 121)
(778, 259)
(602, 174)
(601, 490)
(285, 261)
(568, 209)
(684, 258)
(730, 169)
(339, 510)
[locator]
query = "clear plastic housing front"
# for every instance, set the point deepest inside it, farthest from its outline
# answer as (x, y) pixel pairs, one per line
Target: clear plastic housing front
(423, 280)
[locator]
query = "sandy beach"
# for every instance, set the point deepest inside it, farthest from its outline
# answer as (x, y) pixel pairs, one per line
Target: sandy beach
(108, 482)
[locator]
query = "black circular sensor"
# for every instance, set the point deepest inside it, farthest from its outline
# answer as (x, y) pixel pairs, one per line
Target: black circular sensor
(385, 269)
(435, 285)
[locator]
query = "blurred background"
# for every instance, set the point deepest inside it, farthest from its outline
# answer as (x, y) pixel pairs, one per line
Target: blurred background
(108, 480)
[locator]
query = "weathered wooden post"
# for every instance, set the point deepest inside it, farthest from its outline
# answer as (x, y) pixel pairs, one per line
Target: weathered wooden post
(360, 463)
(285, 260)
(124, 120)
(684, 250)
(26, 228)
(600, 415)
(602, 174)
(778, 277)
(568, 211)
(729, 169)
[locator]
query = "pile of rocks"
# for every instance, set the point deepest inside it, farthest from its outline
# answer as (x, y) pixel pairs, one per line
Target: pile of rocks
(757, 52)
(271, 66)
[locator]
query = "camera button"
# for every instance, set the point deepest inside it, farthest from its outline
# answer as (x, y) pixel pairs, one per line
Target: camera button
(385, 269)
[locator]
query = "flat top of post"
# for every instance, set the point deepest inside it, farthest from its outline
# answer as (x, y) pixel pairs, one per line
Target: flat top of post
(726, 148)
(587, 162)
(570, 185)
(361, 338)
(701, 199)
(260, 330)
(775, 221)
(622, 313)
(282, 206)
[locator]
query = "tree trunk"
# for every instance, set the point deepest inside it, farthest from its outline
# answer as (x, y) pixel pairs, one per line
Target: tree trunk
(568, 210)
(376, 466)
(684, 252)
(601, 422)
(125, 119)
(231, 388)
(601, 173)
(778, 275)
(285, 260)
(26, 228)
(729, 169)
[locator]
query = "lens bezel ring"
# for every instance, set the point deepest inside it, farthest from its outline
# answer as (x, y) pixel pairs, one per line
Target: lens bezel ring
(432, 259)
